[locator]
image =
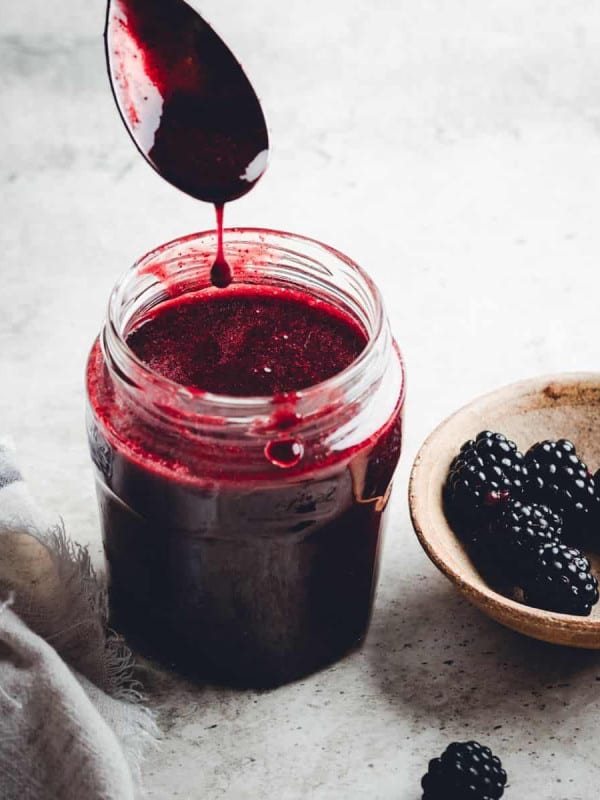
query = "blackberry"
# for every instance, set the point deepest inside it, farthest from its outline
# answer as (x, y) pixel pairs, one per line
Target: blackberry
(561, 580)
(465, 771)
(558, 478)
(596, 514)
(486, 472)
(518, 533)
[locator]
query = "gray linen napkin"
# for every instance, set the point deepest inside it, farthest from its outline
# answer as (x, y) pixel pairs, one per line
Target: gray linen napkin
(72, 726)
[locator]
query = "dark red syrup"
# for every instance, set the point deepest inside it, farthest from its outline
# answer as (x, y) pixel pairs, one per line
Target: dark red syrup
(252, 341)
(186, 103)
(247, 578)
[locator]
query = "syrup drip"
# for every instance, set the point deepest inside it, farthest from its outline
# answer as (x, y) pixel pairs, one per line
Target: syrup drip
(220, 274)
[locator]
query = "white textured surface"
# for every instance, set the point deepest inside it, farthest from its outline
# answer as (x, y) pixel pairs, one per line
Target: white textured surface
(453, 148)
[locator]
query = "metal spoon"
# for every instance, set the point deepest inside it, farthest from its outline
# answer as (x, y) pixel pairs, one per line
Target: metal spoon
(184, 99)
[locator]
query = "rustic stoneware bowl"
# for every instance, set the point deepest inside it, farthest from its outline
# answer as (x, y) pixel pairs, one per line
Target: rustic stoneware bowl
(552, 407)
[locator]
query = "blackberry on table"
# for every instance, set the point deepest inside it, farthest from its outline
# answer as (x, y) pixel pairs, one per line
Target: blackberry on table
(519, 531)
(557, 477)
(465, 771)
(560, 579)
(486, 473)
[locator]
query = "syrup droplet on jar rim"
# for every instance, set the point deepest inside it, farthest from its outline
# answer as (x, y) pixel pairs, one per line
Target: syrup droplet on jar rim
(284, 453)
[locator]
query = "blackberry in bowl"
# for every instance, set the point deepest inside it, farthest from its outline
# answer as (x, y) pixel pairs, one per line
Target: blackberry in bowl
(558, 477)
(544, 409)
(487, 472)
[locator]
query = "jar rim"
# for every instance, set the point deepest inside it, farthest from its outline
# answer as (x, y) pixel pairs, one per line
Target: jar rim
(233, 405)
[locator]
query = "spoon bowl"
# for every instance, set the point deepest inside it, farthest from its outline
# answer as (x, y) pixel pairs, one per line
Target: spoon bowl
(185, 100)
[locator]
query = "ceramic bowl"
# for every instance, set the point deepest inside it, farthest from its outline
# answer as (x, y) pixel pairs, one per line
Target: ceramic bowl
(552, 407)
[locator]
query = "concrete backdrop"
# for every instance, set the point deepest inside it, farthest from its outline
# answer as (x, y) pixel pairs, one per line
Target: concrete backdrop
(452, 147)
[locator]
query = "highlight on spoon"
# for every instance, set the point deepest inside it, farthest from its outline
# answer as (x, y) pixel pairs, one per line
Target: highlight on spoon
(184, 99)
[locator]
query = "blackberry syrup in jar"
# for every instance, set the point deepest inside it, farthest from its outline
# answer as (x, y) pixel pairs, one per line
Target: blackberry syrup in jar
(245, 441)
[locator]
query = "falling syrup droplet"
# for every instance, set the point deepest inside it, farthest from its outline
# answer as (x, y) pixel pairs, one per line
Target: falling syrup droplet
(284, 453)
(220, 273)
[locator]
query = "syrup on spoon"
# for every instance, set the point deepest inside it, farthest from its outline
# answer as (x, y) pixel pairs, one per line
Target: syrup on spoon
(187, 104)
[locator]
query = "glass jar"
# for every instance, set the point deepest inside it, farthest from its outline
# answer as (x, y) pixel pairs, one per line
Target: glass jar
(224, 559)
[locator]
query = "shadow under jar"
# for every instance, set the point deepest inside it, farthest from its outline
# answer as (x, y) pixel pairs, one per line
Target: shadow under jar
(243, 533)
